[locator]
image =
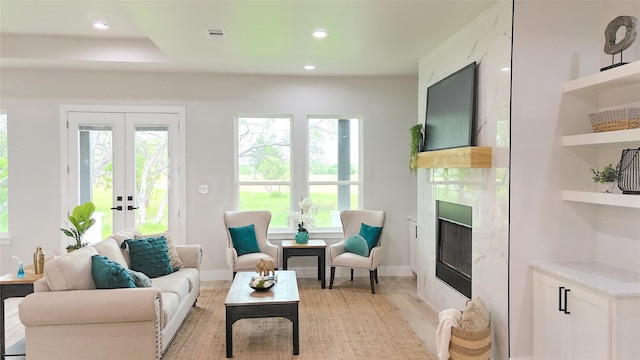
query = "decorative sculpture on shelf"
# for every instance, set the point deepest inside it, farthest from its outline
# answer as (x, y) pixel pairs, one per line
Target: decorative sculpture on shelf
(610, 33)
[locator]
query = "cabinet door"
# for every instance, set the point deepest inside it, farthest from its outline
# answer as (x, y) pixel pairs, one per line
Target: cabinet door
(590, 329)
(551, 327)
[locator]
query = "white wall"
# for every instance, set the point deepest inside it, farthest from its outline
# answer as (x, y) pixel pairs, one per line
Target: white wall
(557, 41)
(487, 41)
(32, 99)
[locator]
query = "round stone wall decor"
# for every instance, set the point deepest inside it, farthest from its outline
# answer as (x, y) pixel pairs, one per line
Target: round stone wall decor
(611, 46)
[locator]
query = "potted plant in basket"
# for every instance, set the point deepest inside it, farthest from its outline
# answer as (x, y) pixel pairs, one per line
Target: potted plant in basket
(608, 176)
(78, 223)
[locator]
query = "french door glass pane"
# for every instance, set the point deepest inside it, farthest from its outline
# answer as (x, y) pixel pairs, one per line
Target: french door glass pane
(275, 198)
(327, 198)
(95, 149)
(4, 176)
(152, 178)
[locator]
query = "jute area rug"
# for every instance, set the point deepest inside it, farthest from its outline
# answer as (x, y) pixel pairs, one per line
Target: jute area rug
(339, 323)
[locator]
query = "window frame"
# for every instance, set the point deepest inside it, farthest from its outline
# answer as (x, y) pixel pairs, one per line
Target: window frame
(299, 183)
(5, 237)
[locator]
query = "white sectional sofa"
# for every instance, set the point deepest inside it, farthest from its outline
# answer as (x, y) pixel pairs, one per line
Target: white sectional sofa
(68, 318)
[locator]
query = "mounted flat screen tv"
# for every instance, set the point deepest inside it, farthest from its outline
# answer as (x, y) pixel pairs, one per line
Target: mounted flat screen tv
(451, 111)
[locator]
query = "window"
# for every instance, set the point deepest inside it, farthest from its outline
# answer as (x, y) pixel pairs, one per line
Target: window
(4, 176)
(264, 166)
(334, 173)
(279, 163)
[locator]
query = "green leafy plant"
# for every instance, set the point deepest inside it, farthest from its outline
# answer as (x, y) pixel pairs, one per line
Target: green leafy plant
(78, 223)
(608, 174)
(416, 140)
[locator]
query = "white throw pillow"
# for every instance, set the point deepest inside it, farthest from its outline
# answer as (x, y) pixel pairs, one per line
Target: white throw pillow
(109, 248)
(71, 271)
(173, 253)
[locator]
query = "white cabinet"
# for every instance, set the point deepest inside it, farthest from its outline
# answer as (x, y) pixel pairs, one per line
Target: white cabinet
(572, 321)
(569, 321)
(592, 89)
(413, 240)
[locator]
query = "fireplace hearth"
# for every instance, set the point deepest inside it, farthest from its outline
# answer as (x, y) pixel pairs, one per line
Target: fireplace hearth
(454, 246)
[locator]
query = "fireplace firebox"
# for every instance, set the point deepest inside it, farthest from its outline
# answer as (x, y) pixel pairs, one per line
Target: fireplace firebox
(453, 252)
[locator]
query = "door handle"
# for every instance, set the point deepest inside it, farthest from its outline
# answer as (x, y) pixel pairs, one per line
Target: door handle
(131, 207)
(562, 293)
(119, 208)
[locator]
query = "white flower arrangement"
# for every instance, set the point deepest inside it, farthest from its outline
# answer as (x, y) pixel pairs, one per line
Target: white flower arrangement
(305, 217)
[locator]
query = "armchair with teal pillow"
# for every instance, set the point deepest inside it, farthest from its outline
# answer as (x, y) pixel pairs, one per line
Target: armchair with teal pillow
(365, 224)
(247, 239)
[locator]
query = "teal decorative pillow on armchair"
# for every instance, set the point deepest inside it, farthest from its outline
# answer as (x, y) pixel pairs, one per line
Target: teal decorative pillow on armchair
(371, 234)
(108, 274)
(149, 256)
(357, 244)
(244, 239)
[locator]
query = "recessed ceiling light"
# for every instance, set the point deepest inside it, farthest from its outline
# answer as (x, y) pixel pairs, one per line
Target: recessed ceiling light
(320, 34)
(100, 25)
(309, 67)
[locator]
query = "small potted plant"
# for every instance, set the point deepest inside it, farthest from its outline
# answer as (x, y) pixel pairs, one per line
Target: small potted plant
(304, 219)
(415, 147)
(608, 176)
(78, 223)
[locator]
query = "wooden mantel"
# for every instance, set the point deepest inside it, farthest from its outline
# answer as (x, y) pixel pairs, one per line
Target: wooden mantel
(464, 157)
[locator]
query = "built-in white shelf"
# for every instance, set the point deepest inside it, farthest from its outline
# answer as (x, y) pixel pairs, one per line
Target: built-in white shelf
(607, 139)
(592, 197)
(615, 78)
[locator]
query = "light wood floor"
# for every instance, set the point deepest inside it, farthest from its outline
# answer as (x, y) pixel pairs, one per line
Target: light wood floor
(400, 291)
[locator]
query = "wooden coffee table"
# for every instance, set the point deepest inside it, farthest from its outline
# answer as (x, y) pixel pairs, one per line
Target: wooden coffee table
(280, 301)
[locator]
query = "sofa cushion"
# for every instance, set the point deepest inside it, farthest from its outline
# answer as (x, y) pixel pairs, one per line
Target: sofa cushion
(71, 271)
(110, 248)
(149, 255)
(123, 235)
(191, 274)
(173, 253)
(140, 279)
(178, 285)
(170, 304)
(108, 274)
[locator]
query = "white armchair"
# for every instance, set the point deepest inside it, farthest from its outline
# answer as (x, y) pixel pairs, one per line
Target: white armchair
(260, 220)
(352, 220)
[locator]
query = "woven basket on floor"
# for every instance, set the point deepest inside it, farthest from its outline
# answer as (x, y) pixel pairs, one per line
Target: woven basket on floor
(470, 344)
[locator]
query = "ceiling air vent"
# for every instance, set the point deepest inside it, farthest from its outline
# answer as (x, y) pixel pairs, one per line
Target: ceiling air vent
(216, 33)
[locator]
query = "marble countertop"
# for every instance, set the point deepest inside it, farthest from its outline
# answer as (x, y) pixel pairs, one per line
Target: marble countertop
(605, 278)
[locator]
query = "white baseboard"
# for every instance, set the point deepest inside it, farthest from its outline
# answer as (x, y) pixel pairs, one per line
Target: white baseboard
(522, 358)
(311, 272)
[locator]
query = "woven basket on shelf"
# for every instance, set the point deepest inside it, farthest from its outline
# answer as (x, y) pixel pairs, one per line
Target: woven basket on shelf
(619, 119)
(470, 344)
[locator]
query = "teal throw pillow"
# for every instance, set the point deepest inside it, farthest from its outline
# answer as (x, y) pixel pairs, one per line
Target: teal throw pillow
(371, 234)
(357, 244)
(149, 256)
(244, 239)
(108, 274)
(140, 279)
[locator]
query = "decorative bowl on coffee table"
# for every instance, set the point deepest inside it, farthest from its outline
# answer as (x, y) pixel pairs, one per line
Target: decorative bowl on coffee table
(260, 283)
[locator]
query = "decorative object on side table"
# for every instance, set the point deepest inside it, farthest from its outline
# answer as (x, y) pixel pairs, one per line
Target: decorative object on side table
(629, 172)
(415, 147)
(610, 34)
(78, 223)
(304, 219)
(20, 260)
(608, 176)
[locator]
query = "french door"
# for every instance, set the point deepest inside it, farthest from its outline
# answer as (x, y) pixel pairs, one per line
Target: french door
(126, 161)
